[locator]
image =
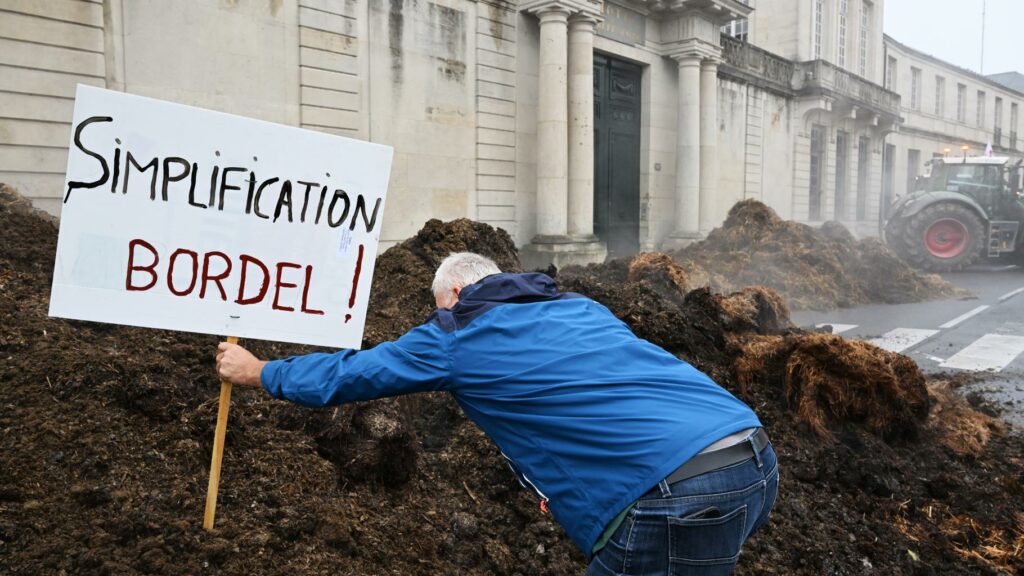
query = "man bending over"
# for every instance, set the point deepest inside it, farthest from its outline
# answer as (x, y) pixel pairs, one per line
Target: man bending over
(649, 466)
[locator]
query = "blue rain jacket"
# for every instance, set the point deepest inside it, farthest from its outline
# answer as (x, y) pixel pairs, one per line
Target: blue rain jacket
(589, 416)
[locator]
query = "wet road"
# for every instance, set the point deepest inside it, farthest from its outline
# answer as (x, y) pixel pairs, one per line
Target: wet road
(982, 334)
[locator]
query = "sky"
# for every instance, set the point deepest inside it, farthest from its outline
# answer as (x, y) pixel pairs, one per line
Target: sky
(951, 30)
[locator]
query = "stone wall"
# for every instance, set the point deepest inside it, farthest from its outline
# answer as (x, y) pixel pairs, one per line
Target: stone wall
(422, 79)
(236, 57)
(332, 58)
(779, 154)
(733, 116)
(46, 48)
(496, 103)
(524, 154)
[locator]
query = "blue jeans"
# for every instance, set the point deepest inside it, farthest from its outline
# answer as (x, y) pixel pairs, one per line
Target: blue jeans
(695, 526)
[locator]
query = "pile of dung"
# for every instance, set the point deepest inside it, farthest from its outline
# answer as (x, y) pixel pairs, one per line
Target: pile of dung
(108, 432)
(966, 430)
(812, 268)
(828, 378)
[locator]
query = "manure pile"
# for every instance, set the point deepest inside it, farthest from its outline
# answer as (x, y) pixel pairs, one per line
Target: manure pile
(108, 432)
(812, 268)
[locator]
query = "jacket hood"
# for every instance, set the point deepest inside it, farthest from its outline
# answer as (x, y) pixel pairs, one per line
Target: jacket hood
(496, 290)
(508, 288)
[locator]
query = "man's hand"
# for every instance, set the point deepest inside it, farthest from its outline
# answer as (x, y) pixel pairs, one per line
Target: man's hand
(237, 365)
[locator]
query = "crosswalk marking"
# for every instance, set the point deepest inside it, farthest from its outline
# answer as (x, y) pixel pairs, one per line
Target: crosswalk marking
(1011, 294)
(963, 317)
(990, 352)
(900, 339)
(837, 328)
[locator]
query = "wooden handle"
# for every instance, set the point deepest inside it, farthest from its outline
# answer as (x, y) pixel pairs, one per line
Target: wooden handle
(218, 449)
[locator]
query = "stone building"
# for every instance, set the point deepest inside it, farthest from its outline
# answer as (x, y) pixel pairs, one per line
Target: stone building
(944, 109)
(582, 127)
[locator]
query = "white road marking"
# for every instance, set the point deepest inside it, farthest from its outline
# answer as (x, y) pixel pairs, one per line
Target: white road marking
(1011, 294)
(900, 339)
(934, 358)
(837, 328)
(1005, 268)
(990, 352)
(963, 317)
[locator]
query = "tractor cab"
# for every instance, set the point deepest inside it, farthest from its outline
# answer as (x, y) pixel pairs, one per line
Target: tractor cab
(968, 177)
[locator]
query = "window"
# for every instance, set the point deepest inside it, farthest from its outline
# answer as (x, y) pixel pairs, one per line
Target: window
(888, 178)
(961, 103)
(890, 74)
(913, 167)
(841, 43)
(940, 96)
(817, 171)
(1013, 126)
(981, 109)
(738, 29)
(842, 150)
(865, 34)
(863, 176)
(997, 132)
(819, 17)
(915, 88)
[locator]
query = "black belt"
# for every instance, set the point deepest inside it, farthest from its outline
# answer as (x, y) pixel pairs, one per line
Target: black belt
(710, 461)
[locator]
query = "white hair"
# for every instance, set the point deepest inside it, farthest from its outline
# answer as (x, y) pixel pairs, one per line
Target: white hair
(460, 270)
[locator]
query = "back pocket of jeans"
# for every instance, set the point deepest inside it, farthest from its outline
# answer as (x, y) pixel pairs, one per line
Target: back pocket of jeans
(706, 540)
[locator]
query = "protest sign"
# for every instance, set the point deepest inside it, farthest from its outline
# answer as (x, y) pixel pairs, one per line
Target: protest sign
(187, 219)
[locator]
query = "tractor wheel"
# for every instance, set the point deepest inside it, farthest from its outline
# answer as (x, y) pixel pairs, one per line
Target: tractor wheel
(893, 236)
(943, 237)
(1017, 256)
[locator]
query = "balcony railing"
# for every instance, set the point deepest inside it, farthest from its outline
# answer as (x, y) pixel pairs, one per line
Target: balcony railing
(819, 75)
(816, 76)
(757, 63)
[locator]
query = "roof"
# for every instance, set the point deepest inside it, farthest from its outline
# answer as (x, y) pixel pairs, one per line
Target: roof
(993, 160)
(971, 73)
(1012, 80)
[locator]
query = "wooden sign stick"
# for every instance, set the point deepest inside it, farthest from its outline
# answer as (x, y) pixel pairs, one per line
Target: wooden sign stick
(218, 448)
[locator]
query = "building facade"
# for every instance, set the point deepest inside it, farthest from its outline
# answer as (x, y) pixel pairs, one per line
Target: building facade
(945, 109)
(584, 128)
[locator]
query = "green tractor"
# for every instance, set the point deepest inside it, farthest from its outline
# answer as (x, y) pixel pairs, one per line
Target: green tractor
(967, 209)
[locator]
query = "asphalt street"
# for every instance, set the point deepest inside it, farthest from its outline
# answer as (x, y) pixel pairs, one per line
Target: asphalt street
(982, 334)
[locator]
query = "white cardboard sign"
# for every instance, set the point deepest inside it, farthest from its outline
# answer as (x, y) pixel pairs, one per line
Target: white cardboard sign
(187, 219)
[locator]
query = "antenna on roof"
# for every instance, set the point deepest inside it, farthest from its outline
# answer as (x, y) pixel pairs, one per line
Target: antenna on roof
(983, 3)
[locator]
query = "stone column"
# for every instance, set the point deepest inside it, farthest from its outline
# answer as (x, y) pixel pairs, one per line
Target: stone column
(708, 145)
(581, 127)
(688, 151)
(565, 229)
(552, 130)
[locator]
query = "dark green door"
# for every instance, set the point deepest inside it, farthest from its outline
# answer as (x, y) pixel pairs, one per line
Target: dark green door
(617, 155)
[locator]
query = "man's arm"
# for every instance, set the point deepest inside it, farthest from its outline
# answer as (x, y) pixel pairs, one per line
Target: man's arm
(416, 362)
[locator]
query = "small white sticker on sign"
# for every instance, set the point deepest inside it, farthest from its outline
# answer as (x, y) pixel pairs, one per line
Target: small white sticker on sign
(344, 242)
